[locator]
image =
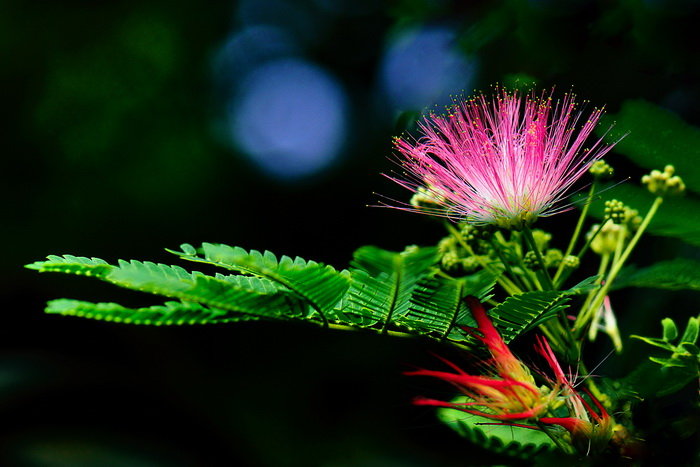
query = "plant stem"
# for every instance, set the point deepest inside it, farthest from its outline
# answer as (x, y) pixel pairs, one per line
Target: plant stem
(602, 268)
(533, 246)
(504, 282)
(617, 265)
(516, 279)
(577, 231)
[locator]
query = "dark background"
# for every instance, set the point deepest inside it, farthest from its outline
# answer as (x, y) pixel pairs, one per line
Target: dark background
(134, 126)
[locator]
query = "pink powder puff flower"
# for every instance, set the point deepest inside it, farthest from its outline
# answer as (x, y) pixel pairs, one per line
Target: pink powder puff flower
(505, 161)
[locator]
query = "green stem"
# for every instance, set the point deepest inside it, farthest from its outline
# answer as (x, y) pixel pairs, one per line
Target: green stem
(516, 279)
(580, 254)
(533, 246)
(504, 282)
(617, 265)
(577, 231)
(582, 315)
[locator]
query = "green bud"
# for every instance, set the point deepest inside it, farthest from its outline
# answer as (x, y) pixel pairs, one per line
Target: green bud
(553, 258)
(542, 238)
(446, 244)
(571, 261)
(607, 238)
(664, 183)
(632, 218)
(426, 198)
(615, 210)
(450, 260)
(470, 264)
(531, 262)
(472, 233)
(601, 170)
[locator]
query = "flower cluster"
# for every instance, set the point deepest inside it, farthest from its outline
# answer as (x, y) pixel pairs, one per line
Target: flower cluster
(508, 392)
(504, 161)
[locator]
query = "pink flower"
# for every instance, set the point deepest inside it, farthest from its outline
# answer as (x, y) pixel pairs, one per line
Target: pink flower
(506, 160)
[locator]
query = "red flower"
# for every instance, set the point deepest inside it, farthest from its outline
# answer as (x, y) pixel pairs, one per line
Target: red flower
(508, 393)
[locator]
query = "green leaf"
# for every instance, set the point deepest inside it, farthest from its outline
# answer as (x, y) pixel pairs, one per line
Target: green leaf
(170, 313)
(383, 283)
(654, 341)
(692, 349)
(438, 304)
(675, 274)
(522, 312)
(657, 137)
(503, 439)
(670, 329)
(691, 331)
(322, 286)
(681, 367)
(69, 264)
(677, 217)
(651, 380)
(242, 294)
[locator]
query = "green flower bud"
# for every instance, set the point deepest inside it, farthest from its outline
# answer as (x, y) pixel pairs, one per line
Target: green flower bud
(542, 238)
(632, 218)
(446, 244)
(607, 238)
(664, 183)
(426, 198)
(470, 264)
(571, 261)
(553, 257)
(615, 210)
(450, 261)
(601, 170)
(531, 261)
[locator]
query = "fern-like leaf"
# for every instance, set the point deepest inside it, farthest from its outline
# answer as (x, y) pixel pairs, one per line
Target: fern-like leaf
(170, 313)
(383, 282)
(69, 264)
(513, 441)
(322, 286)
(520, 313)
(437, 304)
(677, 274)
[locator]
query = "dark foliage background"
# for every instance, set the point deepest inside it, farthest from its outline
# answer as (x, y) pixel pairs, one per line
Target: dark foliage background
(134, 126)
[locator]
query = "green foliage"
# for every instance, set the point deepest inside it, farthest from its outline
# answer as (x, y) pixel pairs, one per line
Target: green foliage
(437, 304)
(503, 439)
(522, 312)
(383, 282)
(657, 137)
(170, 313)
(676, 218)
(683, 364)
(675, 274)
(383, 291)
(69, 264)
(320, 285)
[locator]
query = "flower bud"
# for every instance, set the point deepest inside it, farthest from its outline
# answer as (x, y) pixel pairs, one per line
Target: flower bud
(571, 261)
(615, 210)
(601, 170)
(606, 240)
(664, 183)
(531, 261)
(553, 258)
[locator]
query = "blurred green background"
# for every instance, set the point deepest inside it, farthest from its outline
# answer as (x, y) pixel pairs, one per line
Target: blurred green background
(133, 126)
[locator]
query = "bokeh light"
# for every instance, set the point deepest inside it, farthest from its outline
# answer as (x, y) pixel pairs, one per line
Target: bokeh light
(289, 117)
(422, 67)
